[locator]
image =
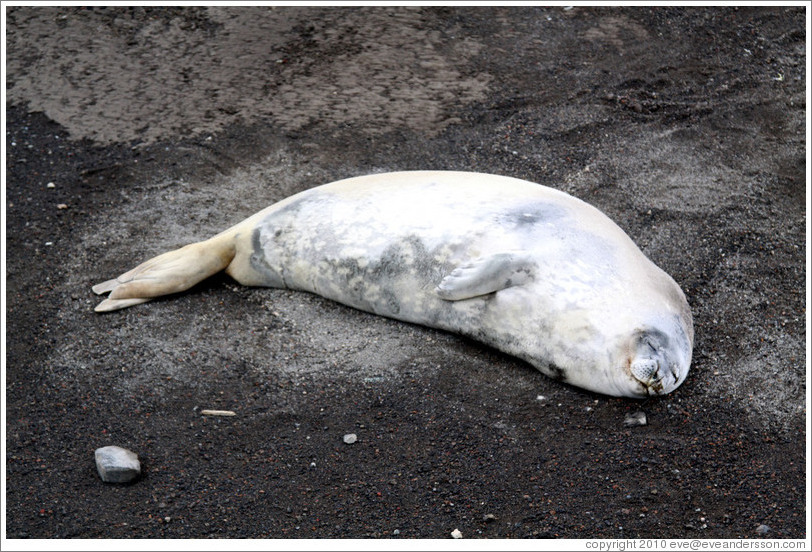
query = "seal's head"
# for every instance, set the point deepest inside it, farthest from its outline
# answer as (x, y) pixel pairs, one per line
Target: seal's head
(657, 361)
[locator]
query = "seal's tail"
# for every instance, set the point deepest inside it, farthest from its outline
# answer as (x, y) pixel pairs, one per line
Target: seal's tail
(171, 272)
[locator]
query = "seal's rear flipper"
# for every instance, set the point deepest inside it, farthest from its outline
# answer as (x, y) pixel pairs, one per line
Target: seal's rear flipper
(104, 287)
(115, 304)
(171, 272)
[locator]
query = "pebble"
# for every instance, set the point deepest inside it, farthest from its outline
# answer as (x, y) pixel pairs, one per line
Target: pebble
(217, 413)
(117, 465)
(489, 517)
(50, 185)
(763, 529)
(634, 419)
(456, 534)
(350, 438)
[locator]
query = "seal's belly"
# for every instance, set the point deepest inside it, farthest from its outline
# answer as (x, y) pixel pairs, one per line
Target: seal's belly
(386, 251)
(370, 259)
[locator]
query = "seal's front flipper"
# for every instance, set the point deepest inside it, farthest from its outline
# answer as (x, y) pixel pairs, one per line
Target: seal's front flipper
(487, 275)
(171, 272)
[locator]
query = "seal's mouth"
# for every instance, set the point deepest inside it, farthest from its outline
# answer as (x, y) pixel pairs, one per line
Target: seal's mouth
(654, 374)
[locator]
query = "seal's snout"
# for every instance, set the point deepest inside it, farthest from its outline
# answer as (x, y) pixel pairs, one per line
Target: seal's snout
(647, 372)
(644, 369)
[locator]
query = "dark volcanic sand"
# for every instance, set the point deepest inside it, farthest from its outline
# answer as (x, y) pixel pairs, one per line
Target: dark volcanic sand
(162, 126)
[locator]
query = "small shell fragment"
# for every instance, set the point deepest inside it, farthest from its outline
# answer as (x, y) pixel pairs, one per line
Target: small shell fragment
(218, 413)
(634, 419)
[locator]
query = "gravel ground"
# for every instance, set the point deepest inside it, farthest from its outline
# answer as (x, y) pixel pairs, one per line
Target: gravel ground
(131, 131)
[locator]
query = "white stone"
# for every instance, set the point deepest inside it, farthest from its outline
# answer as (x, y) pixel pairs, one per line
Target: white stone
(633, 419)
(350, 438)
(117, 465)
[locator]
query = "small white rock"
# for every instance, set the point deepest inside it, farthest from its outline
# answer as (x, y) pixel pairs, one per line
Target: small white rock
(633, 419)
(456, 534)
(217, 413)
(117, 465)
(50, 185)
(350, 438)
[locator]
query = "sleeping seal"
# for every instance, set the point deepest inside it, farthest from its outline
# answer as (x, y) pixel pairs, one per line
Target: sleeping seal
(524, 268)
